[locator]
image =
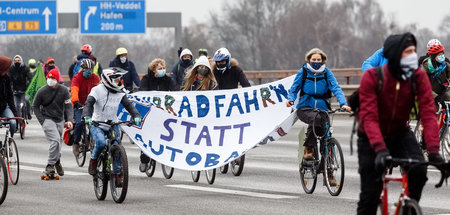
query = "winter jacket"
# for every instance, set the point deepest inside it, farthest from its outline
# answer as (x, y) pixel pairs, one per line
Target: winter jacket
(439, 84)
(58, 109)
(149, 82)
(231, 77)
(179, 71)
(6, 95)
(377, 59)
(81, 87)
(20, 76)
(315, 86)
(383, 114)
(131, 76)
(96, 70)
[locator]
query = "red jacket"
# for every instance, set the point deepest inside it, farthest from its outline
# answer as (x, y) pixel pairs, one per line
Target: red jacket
(383, 114)
(81, 87)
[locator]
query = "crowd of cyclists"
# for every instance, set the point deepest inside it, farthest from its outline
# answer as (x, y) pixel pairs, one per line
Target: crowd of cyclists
(383, 114)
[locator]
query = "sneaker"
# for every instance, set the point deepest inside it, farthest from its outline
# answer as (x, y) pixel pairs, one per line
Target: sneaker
(49, 169)
(143, 167)
(92, 167)
(331, 179)
(118, 179)
(59, 168)
(308, 153)
(76, 149)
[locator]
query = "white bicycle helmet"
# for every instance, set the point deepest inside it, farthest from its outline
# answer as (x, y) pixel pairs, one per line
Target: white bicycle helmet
(87, 63)
(108, 77)
(431, 42)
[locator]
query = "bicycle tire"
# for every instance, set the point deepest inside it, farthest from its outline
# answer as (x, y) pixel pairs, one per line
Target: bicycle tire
(3, 181)
(151, 168)
(12, 160)
(81, 158)
(167, 171)
(445, 144)
(336, 165)
(100, 178)
(224, 169)
(210, 176)
(237, 171)
(410, 207)
(119, 193)
(308, 178)
(195, 175)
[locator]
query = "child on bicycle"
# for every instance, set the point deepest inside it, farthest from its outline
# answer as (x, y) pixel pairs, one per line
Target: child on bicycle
(314, 81)
(383, 121)
(102, 104)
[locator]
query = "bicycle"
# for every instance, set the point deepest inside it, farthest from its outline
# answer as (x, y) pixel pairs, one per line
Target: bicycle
(113, 154)
(167, 171)
(405, 205)
(331, 160)
(3, 180)
(87, 144)
(9, 151)
(22, 111)
(237, 166)
(210, 175)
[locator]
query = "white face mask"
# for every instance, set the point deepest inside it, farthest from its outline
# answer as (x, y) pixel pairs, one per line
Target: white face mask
(51, 82)
(409, 64)
(123, 59)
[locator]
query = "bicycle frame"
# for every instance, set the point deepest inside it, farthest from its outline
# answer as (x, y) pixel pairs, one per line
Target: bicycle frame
(403, 195)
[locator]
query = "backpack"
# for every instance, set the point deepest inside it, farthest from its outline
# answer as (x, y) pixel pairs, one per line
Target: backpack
(324, 96)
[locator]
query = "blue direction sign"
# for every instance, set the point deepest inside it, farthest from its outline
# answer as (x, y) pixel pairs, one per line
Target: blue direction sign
(115, 16)
(28, 17)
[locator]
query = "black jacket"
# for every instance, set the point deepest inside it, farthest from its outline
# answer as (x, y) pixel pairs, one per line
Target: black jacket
(6, 95)
(20, 77)
(149, 82)
(131, 75)
(232, 76)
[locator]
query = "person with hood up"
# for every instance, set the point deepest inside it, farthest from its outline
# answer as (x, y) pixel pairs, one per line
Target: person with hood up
(32, 65)
(200, 77)
(50, 65)
(383, 121)
(178, 70)
(227, 72)
(7, 106)
(121, 60)
(20, 78)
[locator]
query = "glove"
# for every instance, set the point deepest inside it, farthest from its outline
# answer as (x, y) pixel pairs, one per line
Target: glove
(137, 120)
(88, 120)
(435, 158)
(380, 160)
(76, 105)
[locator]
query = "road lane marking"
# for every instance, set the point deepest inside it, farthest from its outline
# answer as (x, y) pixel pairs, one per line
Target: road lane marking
(31, 168)
(233, 192)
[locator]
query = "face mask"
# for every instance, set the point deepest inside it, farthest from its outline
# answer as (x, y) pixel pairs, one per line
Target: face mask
(123, 59)
(203, 72)
(160, 73)
(440, 58)
(221, 65)
(186, 61)
(17, 64)
(32, 66)
(316, 65)
(51, 67)
(51, 82)
(408, 64)
(87, 73)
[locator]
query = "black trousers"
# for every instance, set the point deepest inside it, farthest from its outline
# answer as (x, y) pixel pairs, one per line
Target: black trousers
(403, 145)
(307, 115)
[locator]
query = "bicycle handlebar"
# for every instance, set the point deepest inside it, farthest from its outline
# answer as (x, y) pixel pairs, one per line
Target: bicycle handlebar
(110, 123)
(331, 111)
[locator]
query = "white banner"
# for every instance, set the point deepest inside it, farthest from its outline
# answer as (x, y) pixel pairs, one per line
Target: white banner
(198, 130)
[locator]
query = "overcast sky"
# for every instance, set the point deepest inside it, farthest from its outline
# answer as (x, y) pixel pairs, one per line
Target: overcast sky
(427, 13)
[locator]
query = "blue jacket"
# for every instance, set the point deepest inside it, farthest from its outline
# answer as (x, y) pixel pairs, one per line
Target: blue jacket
(377, 59)
(131, 76)
(318, 88)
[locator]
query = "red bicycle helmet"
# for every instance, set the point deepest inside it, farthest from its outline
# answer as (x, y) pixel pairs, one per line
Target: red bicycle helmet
(86, 48)
(435, 47)
(68, 137)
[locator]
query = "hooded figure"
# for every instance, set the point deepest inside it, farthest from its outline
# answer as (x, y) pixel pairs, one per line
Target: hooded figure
(19, 75)
(394, 46)
(200, 76)
(178, 70)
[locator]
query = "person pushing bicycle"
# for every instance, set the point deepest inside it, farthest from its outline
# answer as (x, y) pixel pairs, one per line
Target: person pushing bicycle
(102, 104)
(383, 120)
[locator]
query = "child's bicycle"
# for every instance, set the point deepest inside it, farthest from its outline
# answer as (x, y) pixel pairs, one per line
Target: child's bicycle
(406, 205)
(330, 163)
(8, 149)
(112, 164)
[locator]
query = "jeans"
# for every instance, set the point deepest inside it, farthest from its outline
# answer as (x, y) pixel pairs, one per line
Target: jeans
(100, 142)
(78, 125)
(9, 114)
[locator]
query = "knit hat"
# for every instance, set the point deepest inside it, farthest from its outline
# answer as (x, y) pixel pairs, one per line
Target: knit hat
(49, 60)
(5, 63)
(54, 73)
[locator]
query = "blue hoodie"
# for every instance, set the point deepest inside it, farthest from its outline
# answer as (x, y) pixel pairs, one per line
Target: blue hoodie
(377, 59)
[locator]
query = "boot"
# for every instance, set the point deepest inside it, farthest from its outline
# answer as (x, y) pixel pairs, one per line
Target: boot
(59, 168)
(50, 169)
(76, 149)
(308, 153)
(331, 179)
(118, 179)
(143, 167)
(92, 167)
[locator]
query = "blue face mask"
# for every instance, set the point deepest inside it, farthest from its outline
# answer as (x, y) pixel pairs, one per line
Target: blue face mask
(316, 65)
(87, 73)
(160, 73)
(440, 58)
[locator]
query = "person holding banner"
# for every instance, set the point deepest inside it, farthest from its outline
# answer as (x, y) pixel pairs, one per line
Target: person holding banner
(315, 82)
(200, 77)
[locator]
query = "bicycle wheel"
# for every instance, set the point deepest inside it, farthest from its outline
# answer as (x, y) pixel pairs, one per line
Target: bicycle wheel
(224, 169)
(411, 207)
(445, 144)
(195, 175)
(167, 171)
(334, 168)
(12, 160)
(308, 177)
(101, 178)
(81, 158)
(3, 181)
(210, 175)
(238, 165)
(151, 168)
(119, 189)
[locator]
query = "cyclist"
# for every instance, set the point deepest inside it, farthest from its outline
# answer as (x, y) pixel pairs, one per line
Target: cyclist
(178, 70)
(50, 65)
(102, 104)
(7, 107)
(121, 60)
(52, 106)
(82, 83)
(32, 65)
(315, 87)
(86, 52)
(383, 127)
(157, 78)
(20, 78)
(422, 58)
(227, 72)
